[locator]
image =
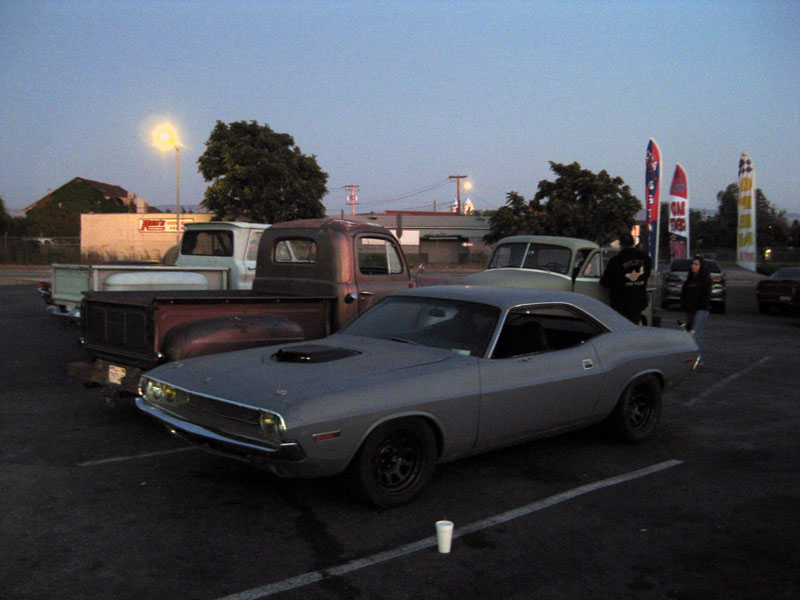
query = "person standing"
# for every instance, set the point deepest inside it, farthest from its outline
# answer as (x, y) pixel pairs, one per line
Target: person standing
(626, 279)
(696, 301)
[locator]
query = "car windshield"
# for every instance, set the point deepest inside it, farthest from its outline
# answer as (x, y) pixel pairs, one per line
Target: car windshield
(786, 274)
(461, 327)
(531, 256)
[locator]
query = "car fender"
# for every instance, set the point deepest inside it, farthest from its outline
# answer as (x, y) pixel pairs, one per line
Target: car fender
(429, 418)
(225, 334)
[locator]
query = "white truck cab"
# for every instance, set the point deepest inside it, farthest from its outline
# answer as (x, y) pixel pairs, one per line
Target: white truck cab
(233, 245)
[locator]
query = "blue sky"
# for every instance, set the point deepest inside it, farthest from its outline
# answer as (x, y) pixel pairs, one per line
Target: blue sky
(397, 96)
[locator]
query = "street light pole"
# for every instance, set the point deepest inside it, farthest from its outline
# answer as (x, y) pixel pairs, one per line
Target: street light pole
(178, 192)
(165, 136)
(458, 179)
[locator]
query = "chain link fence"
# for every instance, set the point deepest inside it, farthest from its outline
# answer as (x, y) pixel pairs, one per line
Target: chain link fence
(39, 250)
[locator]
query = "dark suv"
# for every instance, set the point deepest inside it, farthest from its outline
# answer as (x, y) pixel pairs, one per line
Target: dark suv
(673, 278)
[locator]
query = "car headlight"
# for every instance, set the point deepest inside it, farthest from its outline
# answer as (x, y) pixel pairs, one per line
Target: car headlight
(158, 392)
(272, 425)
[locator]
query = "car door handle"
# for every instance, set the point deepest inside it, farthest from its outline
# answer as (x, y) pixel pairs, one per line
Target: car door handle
(587, 364)
(366, 294)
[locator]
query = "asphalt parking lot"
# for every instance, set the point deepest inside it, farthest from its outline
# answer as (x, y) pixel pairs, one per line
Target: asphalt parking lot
(102, 503)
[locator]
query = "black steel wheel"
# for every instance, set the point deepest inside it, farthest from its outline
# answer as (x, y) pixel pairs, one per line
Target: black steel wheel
(396, 461)
(639, 408)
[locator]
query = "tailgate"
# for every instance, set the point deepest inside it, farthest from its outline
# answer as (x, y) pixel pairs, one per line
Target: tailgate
(69, 282)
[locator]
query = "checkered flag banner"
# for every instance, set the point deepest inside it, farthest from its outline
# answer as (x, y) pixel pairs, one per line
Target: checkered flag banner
(746, 255)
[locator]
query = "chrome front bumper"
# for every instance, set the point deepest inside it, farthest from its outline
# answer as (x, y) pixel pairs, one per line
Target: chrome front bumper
(226, 445)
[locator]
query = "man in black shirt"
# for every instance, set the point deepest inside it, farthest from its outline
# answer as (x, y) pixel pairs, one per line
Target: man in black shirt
(626, 279)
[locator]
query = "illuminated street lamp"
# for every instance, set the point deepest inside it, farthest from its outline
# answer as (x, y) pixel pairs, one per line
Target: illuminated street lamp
(164, 138)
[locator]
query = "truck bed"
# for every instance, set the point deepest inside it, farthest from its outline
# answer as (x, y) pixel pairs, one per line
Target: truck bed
(130, 326)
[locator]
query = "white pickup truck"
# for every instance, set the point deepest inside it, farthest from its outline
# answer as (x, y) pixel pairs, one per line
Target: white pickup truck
(215, 255)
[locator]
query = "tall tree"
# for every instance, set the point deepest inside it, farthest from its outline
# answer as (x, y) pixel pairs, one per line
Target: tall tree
(772, 227)
(260, 175)
(515, 218)
(579, 203)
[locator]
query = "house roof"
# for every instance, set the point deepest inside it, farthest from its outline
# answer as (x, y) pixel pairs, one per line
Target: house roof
(107, 189)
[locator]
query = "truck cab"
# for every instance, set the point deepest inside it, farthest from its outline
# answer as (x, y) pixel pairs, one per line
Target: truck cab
(233, 245)
(356, 263)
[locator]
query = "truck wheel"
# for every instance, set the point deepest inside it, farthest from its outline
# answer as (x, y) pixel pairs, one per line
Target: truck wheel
(638, 410)
(395, 462)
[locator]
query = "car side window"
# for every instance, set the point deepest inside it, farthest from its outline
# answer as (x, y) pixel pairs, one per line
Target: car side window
(378, 256)
(530, 330)
(591, 268)
(252, 245)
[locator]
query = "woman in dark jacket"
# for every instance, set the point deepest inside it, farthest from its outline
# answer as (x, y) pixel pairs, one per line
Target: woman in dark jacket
(696, 300)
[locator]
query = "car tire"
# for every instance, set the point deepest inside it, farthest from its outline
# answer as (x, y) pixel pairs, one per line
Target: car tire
(395, 462)
(638, 410)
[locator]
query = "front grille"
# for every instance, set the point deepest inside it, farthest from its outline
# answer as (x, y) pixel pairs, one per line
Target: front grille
(217, 415)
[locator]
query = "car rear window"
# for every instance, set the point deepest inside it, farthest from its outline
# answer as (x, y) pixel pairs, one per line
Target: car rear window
(295, 250)
(207, 243)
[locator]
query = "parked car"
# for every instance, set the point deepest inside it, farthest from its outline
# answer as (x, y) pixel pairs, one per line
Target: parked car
(551, 263)
(777, 291)
(673, 279)
(428, 375)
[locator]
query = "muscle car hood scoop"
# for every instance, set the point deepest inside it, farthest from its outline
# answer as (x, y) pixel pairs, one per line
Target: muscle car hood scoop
(312, 353)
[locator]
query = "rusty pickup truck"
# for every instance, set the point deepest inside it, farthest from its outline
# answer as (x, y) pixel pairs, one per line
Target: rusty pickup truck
(312, 277)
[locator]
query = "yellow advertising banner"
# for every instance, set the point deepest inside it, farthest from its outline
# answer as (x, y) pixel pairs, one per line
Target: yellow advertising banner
(746, 228)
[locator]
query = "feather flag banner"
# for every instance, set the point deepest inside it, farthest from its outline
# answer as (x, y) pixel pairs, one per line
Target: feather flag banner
(746, 223)
(679, 215)
(652, 183)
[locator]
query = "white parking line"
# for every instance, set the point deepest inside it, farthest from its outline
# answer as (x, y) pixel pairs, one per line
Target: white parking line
(726, 381)
(460, 530)
(105, 461)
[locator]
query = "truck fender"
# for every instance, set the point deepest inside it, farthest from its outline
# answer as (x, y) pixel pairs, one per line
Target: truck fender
(224, 334)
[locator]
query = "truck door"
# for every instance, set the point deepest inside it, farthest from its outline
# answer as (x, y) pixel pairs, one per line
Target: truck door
(380, 269)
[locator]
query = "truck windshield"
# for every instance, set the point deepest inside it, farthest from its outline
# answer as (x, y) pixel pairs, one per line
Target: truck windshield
(461, 327)
(523, 255)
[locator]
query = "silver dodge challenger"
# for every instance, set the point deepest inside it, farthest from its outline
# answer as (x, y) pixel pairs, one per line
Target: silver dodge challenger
(428, 375)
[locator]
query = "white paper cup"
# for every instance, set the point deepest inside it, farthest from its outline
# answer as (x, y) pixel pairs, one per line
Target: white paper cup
(444, 535)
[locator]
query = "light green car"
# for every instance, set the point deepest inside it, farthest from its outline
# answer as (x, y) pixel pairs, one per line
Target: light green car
(550, 263)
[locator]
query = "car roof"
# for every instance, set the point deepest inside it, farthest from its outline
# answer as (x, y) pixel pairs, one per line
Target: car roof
(571, 243)
(505, 298)
(787, 272)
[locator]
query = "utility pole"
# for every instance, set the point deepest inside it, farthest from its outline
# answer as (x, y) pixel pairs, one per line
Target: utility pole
(352, 198)
(458, 179)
